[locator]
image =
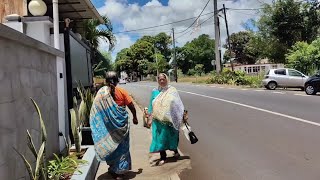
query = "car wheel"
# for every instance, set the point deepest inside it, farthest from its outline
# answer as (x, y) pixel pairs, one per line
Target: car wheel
(310, 90)
(272, 85)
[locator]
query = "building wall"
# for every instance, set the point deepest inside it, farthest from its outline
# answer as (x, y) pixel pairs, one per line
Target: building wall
(28, 69)
(8, 7)
(257, 68)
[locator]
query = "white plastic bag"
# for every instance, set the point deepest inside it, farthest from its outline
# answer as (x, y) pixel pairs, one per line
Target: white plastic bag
(186, 130)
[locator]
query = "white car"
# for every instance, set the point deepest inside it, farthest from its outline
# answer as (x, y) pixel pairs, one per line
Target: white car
(289, 78)
(122, 81)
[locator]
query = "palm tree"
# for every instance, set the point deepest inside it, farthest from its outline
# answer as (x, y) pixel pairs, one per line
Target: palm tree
(95, 30)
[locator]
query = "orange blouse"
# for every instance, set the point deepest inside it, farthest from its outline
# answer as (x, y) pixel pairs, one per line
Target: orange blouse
(122, 97)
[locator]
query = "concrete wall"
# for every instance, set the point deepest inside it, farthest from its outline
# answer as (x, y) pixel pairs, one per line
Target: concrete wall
(27, 69)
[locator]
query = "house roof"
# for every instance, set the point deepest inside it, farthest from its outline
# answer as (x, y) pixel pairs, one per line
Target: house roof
(77, 11)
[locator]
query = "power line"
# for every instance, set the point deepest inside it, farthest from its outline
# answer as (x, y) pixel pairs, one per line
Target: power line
(151, 27)
(197, 18)
(191, 29)
(246, 13)
(151, 30)
(235, 9)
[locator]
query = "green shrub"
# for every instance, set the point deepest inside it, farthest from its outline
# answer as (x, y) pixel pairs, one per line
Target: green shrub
(238, 78)
(64, 166)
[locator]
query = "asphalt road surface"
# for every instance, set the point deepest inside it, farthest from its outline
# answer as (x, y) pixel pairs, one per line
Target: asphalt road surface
(247, 133)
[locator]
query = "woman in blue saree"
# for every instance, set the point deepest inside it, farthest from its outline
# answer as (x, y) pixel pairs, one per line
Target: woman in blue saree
(166, 113)
(110, 127)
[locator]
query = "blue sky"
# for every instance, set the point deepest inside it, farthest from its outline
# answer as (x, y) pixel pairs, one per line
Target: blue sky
(100, 3)
(135, 14)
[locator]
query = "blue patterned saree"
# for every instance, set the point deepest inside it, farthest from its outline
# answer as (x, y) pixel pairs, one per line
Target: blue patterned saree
(110, 132)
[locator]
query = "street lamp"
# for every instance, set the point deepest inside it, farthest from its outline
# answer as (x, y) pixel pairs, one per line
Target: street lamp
(37, 7)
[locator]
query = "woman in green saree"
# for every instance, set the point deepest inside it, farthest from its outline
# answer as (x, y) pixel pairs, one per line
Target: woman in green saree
(165, 116)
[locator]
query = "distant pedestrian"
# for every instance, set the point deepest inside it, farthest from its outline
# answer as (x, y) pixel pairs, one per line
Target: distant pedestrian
(110, 126)
(165, 116)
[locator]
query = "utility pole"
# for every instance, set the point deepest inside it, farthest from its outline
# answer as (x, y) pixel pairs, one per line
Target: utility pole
(217, 36)
(174, 57)
(228, 36)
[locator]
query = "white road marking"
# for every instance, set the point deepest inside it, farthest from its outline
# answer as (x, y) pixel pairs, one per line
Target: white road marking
(252, 107)
(244, 89)
(221, 87)
(302, 95)
(278, 92)
(232, 88)
(259, 90)
(213, 86)
(256, 108)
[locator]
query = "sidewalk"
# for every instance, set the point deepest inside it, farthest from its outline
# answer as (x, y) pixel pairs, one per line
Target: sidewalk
(140, 140)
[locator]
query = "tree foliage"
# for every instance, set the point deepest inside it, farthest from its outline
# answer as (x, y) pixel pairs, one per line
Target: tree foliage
(104, 63)
(141, 56)
(199, 51)
(242, 48)
(285, 22)
(95, 30)
(305, 57)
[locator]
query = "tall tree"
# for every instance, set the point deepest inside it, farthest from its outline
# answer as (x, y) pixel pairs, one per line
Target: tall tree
(243, 50)
(123, 61)
(162, 43)
(199, 51)
(141, 58)
(285, 22)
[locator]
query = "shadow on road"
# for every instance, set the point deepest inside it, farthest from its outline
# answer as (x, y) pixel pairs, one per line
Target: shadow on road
(173, 159)
(128, 175)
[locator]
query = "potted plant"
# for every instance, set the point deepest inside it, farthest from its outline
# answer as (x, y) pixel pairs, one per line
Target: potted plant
(59, 168)
(84, 113)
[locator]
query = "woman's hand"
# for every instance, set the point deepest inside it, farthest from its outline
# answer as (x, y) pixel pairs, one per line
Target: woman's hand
(185, 117)
(135, 120)
(149, 122)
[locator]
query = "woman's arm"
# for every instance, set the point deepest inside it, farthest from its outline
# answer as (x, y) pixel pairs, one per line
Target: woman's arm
(150, 108)
(134, 113)
(150, 103)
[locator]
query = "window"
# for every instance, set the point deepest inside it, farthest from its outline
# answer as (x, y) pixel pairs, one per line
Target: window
(294, 73)
(280, 72)
(254, 69)
(249, 69)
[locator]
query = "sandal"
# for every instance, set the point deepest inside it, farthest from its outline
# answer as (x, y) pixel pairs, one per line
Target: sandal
(176, 155)
(161, 162)
(119, 177)
(116, 176)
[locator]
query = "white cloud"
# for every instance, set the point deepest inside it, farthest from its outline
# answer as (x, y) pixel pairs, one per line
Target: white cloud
(123, 41)
(133, 16)
(153, 3)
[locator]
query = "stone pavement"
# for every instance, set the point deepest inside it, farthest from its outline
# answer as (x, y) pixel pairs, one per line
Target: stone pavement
(140, 140)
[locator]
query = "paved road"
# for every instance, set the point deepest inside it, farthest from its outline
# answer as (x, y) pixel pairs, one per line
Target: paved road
(248, 134)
